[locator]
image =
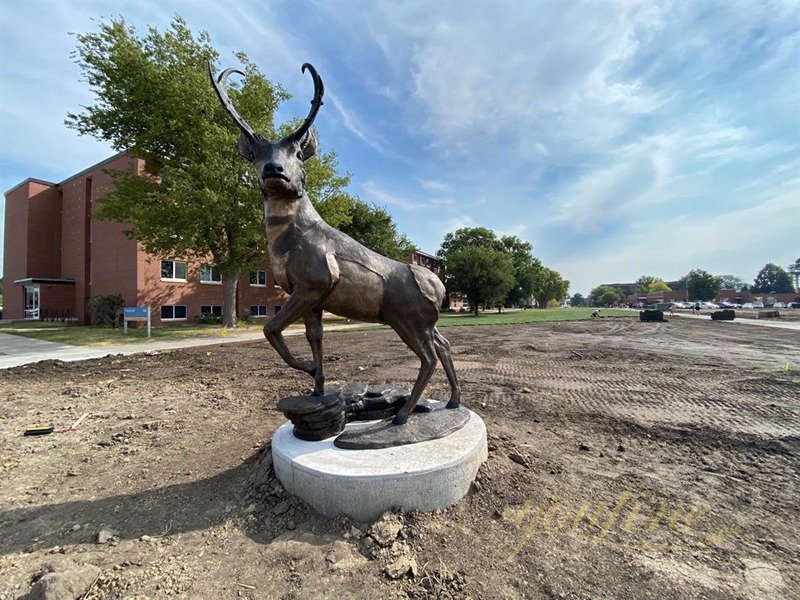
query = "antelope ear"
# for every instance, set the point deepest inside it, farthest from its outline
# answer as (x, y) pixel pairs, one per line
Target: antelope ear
(309, 145)
(244, 149)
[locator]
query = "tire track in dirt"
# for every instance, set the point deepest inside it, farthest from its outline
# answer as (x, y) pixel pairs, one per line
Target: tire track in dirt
(654, 397)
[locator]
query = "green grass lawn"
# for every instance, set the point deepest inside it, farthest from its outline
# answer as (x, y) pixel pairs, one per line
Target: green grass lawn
(533, 315)
(517, 316)
(100, 336)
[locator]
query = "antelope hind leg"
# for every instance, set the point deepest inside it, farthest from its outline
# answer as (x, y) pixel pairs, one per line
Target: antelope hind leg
(445, 357)
(427, 355)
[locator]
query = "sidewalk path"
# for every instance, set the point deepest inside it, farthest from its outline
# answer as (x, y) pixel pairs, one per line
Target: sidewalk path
(759, 322)
(16, 350)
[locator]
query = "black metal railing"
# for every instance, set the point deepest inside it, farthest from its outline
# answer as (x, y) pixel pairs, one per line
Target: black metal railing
(54, 315)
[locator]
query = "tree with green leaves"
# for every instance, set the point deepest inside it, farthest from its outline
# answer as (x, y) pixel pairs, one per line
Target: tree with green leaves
(531, 278)
(482, 274)
(700, 285)
(733, 282)
(605, 295)
(468, 237)
(647, 284)
(549, 286)
(643, 283)
(659, 285)
(772, 279)
(465, 237)
(198, 199)
(373, 226)
(527, 270)
(577, 300)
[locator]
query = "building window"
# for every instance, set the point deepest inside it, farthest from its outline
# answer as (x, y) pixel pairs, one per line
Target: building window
(215, 310)
(259, 310)
(258, 278)
(173, 312)
(173, 270)
(209, 274)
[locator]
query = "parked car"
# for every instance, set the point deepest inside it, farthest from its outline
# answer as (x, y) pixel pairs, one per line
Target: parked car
(794, 305)
(778, 305)
(726, 304)
(709, 305)
(753, 305)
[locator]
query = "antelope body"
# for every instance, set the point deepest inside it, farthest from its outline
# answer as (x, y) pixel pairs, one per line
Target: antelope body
(323, 268)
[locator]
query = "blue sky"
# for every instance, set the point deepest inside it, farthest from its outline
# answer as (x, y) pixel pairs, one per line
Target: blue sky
(620, 139)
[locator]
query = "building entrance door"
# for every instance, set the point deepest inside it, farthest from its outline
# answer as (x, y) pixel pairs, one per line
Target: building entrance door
(31, 301)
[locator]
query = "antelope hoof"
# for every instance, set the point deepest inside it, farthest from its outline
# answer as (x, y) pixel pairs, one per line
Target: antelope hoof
(453, 403)
(400, 419)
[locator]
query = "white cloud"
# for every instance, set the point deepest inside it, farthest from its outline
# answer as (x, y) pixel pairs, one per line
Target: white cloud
(376, 193)
(458, 222)
(735, 242)
(601, 195)
(41, 85)
(381, 196)
(353, 124)
(475, 82)
(515, 230)
(432, 185)
(658, 169)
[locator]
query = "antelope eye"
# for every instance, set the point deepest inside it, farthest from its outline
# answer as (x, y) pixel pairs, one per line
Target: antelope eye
(300, 154)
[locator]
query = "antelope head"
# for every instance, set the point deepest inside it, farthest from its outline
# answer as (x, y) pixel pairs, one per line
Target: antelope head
(279, 164)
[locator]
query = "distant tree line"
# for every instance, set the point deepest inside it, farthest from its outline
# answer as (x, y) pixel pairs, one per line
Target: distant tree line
(699, 285)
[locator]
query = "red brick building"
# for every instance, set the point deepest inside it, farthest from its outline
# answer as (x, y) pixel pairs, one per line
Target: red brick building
(434, 263)
(57, 257)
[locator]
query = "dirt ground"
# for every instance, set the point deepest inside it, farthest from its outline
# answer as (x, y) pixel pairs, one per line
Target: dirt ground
(627, 459)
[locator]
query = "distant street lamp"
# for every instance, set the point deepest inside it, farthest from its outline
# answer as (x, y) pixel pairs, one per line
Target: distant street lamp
(795, 272)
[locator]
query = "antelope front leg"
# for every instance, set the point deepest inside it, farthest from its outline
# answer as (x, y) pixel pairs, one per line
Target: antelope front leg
(313, 322)
(296, 307)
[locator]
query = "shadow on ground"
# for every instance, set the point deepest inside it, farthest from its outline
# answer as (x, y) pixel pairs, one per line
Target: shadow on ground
(167, 510)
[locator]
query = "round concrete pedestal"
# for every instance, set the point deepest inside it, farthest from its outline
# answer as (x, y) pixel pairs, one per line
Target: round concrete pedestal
(363, 484)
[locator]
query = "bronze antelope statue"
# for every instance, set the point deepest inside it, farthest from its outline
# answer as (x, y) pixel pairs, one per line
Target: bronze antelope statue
(324, 269)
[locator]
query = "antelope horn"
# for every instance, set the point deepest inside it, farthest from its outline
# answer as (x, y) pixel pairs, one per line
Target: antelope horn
(219, 87)
(319, 90)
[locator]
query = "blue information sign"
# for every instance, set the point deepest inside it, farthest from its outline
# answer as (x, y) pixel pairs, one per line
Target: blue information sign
(132, 312)
(136, 313)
